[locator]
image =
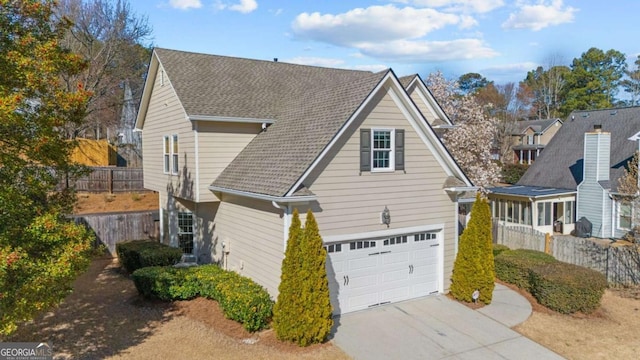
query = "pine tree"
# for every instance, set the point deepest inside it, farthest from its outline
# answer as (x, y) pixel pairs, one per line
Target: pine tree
(288, 309)
(317, 320)
(473, 268)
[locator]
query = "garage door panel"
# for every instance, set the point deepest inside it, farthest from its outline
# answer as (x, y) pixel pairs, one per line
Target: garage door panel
(370, 272)
(399, 257)
(394, 294)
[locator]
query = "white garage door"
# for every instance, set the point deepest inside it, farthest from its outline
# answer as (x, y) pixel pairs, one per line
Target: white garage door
(368, 273)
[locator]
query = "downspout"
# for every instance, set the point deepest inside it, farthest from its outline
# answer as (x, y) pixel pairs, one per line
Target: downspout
(286, 223)
(456, 225)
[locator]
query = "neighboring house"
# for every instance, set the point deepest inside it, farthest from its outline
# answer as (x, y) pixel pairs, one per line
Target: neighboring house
(234, 145)
(531, 137)
(576, 176)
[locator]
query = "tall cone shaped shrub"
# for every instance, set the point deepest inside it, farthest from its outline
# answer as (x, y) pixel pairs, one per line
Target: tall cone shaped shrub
(289, 306)
(316, 322)
(474, 267)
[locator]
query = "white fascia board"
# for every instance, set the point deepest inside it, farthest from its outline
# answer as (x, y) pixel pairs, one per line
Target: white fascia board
(230, 119)
(276, 199)
(426, 134)
(342, 130)
(428, 97)
(382, 233)
(146, 93)
(459, 189)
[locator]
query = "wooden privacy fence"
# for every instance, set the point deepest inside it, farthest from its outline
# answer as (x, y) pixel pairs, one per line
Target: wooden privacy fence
(518, 237)
(618, 261)
(111, 179)
(113, 228)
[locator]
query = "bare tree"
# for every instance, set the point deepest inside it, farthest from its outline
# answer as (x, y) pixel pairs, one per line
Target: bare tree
(547, 86)
(111, 39)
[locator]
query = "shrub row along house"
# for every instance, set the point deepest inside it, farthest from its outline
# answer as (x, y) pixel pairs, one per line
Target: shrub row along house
(577, 175)
(234, 145)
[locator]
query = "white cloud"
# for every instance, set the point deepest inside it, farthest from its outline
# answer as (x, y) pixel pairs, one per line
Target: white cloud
(245, 6)
(428, 51)
(315, 61)
(539, 16)
(185, 4)
(465, 6)
(508, 72)
(373, 24)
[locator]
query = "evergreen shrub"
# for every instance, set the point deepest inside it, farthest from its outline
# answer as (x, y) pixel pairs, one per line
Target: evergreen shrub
(514, 266)
(137, 254)
(567, 288)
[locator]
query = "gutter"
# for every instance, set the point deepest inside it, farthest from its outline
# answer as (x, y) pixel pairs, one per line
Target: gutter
(230, 119)
(459, 189)
(276, 199)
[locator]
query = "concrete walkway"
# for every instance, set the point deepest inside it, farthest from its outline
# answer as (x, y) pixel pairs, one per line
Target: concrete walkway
(437, 327)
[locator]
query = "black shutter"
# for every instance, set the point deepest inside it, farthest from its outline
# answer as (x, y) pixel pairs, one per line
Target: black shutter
(365, 149)
(399, 150)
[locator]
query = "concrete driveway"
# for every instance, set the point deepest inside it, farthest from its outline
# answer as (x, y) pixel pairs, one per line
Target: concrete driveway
(433, 327)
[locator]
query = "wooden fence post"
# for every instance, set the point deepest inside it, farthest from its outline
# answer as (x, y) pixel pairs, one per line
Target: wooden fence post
(547, 243)
(110, 180)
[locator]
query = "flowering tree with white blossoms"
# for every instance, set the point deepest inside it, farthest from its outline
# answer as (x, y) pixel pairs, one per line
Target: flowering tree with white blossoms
(471, 140)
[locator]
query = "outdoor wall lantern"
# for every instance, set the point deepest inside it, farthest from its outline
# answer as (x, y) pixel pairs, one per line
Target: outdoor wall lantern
(385, 216)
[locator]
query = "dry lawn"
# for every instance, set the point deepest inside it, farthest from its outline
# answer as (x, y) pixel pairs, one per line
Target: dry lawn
(105, 318)
(609, 333)
(91, 203)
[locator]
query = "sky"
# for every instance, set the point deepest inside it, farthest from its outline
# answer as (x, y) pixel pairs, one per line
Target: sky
(500, 39)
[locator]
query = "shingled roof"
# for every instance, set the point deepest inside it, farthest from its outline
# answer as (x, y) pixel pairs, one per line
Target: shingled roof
(308, 105)
(538, 126)
(560, 165)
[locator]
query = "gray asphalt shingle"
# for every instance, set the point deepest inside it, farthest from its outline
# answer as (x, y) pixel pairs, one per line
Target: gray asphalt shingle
(560, 165)
(309, 105)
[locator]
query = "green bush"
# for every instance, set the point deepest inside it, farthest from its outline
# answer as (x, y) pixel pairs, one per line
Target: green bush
(514, 266)
(137, 254)
(567, 288)
(164, 282)
(302, 313)
(511, 173)
(239, 297)
(473, 268)
(499, 248)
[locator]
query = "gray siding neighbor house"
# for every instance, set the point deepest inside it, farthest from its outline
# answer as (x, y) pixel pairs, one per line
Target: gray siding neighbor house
(576, 176)
(234, 145)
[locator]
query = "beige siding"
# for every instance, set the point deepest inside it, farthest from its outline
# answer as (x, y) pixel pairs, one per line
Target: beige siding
(546, 137)
(422, 106)
(351, 202)
(253, 231)
(219, 143)
(166, 116)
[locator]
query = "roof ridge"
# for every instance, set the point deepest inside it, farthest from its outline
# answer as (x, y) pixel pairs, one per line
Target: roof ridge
(263, 61)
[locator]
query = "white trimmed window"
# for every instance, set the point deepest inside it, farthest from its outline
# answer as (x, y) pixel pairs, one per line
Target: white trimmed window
(174, 154)
(185, 232)
(624, 215)
(382, 150)
(166, 146)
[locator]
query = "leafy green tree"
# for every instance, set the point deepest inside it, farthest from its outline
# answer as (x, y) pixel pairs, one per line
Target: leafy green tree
(40, 254)
(289, 308)
(471, 82)
(594, 80)
(317, 320)
(473, 268)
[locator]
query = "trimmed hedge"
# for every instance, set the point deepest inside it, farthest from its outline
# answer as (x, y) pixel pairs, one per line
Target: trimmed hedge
(499, 248)
(137, 254)
(514, 266)
(240, 298)
(567, 288)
